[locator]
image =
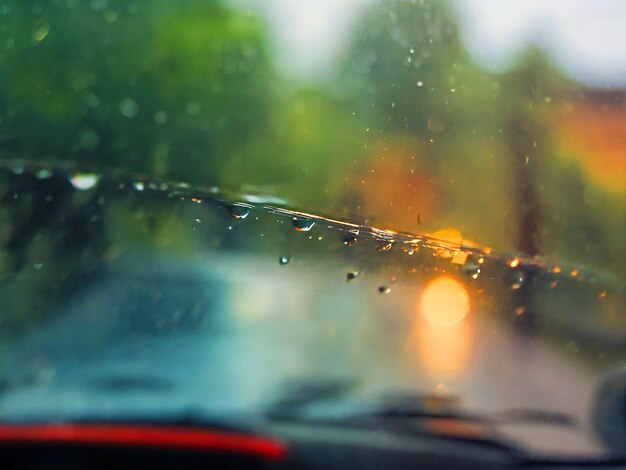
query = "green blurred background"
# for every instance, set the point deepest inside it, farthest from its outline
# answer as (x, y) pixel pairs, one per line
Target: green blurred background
(406, 132)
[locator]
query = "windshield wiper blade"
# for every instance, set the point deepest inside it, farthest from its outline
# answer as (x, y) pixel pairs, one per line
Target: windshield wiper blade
(525, 415)
(296, 396)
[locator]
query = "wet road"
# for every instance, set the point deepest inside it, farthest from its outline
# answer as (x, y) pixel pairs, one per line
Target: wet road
(224, 334)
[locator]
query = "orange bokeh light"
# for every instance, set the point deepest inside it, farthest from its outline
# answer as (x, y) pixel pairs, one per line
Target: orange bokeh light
(445, 301)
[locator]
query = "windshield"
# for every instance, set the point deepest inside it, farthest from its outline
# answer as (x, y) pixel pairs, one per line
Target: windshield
(234, 209)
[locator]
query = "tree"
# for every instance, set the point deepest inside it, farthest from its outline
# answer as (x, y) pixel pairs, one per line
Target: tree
(167, 88)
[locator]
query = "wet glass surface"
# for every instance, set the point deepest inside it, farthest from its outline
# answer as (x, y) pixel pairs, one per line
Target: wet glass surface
(225, 209)
(181, 301)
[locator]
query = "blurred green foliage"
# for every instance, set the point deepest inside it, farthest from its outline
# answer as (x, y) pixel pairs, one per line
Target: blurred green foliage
(187, 90)
(166, 88)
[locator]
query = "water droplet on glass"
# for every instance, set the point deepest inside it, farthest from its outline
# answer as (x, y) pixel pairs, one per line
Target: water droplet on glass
(192, 108)
(43, 174)
(110, 16)
(138, 185)
(89, 139)
(384, 289)
(92, 101)
(129, 108)
(349, 240)
(352, 275)
(302, 224)
(385, 245)
(518, 279)
(283, 260)
(84, 181)
(420, 83)
(472, 268)
(40, 33)
(98, 5)
(18, 170)
(238, 212)
(411, 247)
(160, 117)
(37, 266)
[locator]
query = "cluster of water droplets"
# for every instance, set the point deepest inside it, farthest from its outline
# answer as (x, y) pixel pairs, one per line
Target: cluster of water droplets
(469, 260)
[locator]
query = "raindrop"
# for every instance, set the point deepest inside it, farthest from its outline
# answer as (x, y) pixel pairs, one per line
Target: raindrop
(349, 240)
(420, 83)
(138, 185)
(160, 117)
(110, 16)
(84, 181)
(472, 269)
(129, 108)
(41, 32)
(192, 108)
(514, 263)
(18, 170)
(43, 174)
(384, 289)
(238, 212)
(385, 245)
(38, 266)
(92, 101)
(283, 260)
(98, 5)
(89, 139)
(302, 224)
(352, 275)
(518, 279)
(410, 248)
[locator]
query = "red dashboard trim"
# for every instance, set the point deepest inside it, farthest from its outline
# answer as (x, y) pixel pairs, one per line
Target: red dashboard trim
(167, 437)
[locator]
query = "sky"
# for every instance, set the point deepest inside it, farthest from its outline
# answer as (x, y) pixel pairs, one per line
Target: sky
(585, 38)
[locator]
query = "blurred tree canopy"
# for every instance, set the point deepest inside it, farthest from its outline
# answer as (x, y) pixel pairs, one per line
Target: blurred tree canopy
(410, 133)
(167, 88)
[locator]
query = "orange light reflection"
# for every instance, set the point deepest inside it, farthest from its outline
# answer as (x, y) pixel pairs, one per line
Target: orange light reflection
(441, 348)
(440, 336)
(445, 301)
